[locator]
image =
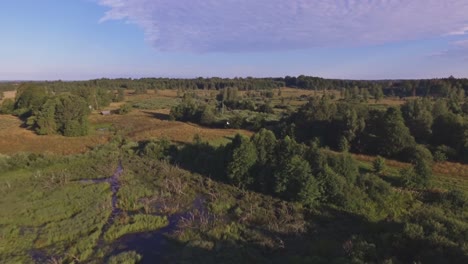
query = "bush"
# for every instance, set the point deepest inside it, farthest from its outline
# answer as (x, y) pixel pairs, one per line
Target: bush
(443, 153)
(418, 176)
(378, 165)
(8, 106)
(457, 199)
(125, 109)
(155, 149)
(130, 257)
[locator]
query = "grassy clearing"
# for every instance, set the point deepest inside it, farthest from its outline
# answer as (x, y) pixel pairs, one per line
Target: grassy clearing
(155, 103)
(15, 139)
(148, 124)
(7, 95)
(447, 175)
(54, 217)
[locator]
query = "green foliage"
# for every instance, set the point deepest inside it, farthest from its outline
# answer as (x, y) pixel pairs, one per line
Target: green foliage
(119, 96)
(208, 116)
(418, 117)
(265, 142)
(295, 182)
(361, 220)
(45, 120)
(71, 114)
(65, 114)
(331, 186)
(188, 110)
(378, 164)
(125, 109)
(130, 257)
(7, 107)
(242, 158)
(266, 108)
(418, 176)
(137, 223)
(456, 199)
(38, 211)
(95, 97)
(29, 98)
(395, 135)
(156, 103)
(155, 149)
(344, 165)
(343, 145)
(449, 129)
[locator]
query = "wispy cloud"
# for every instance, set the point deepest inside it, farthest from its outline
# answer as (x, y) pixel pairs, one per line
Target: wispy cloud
(248, 25)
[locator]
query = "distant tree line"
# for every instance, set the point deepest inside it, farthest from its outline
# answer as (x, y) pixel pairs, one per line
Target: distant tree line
(444, 87)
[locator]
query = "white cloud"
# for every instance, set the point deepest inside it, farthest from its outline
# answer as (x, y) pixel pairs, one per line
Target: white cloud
(253, 25)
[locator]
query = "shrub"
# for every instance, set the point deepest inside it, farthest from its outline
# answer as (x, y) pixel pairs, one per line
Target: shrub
(8, 106)
(125, 109)
(130, 257)
(456, 198)
(378, 165)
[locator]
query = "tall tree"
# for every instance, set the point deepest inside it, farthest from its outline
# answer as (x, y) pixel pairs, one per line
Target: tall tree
(264, 142)
(243, 157)
(395, 136)
(418, 118)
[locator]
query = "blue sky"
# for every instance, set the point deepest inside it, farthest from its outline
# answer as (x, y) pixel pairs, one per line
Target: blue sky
(353, 39)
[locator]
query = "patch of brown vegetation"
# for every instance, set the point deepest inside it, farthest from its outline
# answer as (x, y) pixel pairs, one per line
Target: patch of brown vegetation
(15, 139)
(394, 101)
(145, 124)
(8, 95)
(138, 125)
(446, 168)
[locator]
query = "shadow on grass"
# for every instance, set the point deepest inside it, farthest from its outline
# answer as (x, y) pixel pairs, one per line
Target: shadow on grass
(160, 116)
(333, 236)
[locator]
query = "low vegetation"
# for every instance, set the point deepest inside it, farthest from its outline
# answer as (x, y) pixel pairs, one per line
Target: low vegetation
(315, 176)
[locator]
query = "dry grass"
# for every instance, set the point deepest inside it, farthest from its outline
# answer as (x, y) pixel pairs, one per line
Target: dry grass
(391, 101)
(447, 174)
(146, 124)
(138, 125)
(388, 162)
(445, 168)
(8, 95)
(15, 139)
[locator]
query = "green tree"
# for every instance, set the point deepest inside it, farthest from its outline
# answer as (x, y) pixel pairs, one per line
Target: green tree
(295, 182)
(331, 186)
(418, 118)
(208, 116)
(264, 142)
(72, 115)
(242, 159)
(420, 174)
(29, 98)
(395, 136)
(344, 165)
(7, 107)
(378, 94)
(45, 123)
(378, 165)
